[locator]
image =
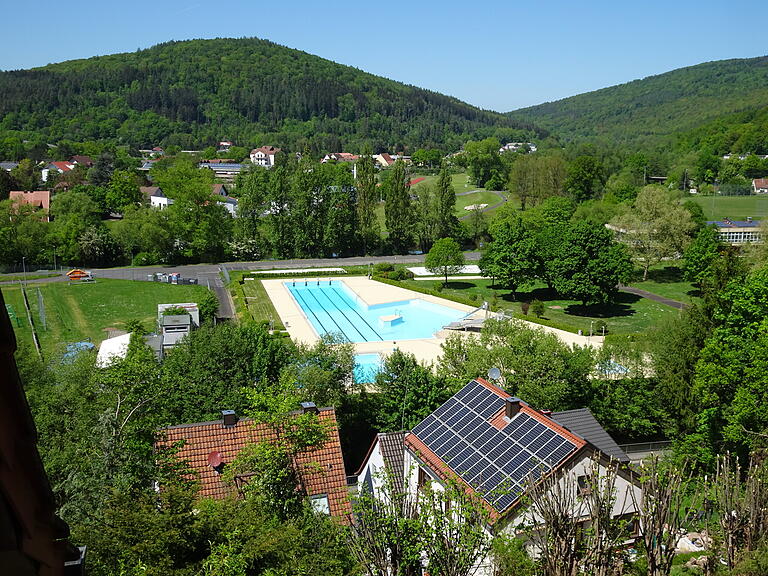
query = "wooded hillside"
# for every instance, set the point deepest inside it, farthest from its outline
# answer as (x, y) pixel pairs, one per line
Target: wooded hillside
(649, 111)
(195, 93)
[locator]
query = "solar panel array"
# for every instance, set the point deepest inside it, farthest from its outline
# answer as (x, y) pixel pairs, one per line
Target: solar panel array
(496, 463)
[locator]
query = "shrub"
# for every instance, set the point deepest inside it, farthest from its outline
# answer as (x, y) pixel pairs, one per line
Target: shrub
(383, 267)
(524, 307)
(537, 308)
(601, 327)
(145, 259)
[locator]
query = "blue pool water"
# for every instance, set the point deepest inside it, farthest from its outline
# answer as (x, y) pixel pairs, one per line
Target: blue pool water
(332, 307)
(366, 368)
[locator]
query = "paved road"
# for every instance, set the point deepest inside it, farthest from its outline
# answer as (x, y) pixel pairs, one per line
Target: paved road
(654, 297)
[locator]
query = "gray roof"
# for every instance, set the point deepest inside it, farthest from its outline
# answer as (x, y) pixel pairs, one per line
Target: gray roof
(582, 423)
(8, 165)
(177, 320)
(392, 451)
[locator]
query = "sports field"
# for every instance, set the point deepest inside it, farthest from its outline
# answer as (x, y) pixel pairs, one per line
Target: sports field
(733, 207)
(86, 311)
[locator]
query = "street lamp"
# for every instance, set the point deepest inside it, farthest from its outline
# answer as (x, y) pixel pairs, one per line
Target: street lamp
(591, 324)
(24, 268)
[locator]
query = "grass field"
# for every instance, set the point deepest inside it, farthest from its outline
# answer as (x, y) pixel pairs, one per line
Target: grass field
(252, 302)
(667, 280)
(630, 314)
(76, 312)
(733, 207)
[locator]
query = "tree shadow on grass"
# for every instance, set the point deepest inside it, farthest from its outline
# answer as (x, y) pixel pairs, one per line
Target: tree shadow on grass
(622, 306)
(459, 285)
(666, 275)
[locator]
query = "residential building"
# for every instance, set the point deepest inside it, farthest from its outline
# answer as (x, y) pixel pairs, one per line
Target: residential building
(224, 146)
(226, 171)
(385, 461)
(340, 157)
(736, 232)
(33, 539)
(82, 160)
(39, 199)
(264, 156)
(156, 197)
(515, 146)
(8, 166)
(760, 186)
(209, 447)
(496, 446)
(383, 160)
(58, 167)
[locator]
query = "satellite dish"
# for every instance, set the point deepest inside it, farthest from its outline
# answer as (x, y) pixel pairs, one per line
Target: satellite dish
(494, 373)
(215, 459)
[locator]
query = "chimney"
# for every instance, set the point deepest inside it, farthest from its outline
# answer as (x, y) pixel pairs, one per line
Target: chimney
(307, 407)
(511, 406)
(230, 417)
(547, 413)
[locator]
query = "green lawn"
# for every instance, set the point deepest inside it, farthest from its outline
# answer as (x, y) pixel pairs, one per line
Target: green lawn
(85, 311)
(252, 302)
(667, 280)
(630, 314)
(733, 207)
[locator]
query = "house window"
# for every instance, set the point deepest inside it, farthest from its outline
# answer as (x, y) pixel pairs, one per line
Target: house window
(319, 503)
(585, 484)
(423, 477)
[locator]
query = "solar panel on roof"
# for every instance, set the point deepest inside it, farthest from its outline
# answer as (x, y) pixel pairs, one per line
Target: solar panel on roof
(497, 463)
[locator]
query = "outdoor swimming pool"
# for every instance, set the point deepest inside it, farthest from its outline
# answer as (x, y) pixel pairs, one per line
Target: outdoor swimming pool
(366, 368)
(332, 307)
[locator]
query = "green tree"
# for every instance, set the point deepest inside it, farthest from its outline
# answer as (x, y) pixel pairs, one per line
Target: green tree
(586, 264)
(409, 392)
(123, 190)
(534, 177)
(445, 258)
(446, 223)
(511, 258)
(73, 213)
(398, 211)
(26, 175)
(701, 255)
(367, 198)
(585, 178)
(483, 161)
(654, 228)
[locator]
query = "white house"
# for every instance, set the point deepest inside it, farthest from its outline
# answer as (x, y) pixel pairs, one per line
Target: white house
(157, 199)
(496, 446)
(385, 458)
(264, 156)
(760, 186)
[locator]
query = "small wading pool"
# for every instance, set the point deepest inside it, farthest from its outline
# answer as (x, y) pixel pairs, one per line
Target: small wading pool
(332, 307)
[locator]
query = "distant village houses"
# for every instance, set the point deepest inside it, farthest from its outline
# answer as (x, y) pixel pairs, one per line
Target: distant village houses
(39, 199)
(264, 156)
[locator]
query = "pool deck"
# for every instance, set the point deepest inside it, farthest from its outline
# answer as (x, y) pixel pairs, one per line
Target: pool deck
(426, 350)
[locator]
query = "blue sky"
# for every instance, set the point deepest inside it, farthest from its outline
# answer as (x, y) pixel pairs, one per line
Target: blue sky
(496, 55)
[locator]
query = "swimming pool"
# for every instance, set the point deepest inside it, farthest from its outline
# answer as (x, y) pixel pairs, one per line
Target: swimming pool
(332, 307)
(366, 368)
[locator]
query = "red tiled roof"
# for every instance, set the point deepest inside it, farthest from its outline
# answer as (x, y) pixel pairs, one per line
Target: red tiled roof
(760, 182)
(266, 150)
(39, 198)
(63, 166)
(84, 160)
(321, 471)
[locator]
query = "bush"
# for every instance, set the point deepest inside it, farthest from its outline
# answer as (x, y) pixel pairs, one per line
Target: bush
(383, 267)
(524, 307)
(601, 327)
(145, 259)
(537, 308)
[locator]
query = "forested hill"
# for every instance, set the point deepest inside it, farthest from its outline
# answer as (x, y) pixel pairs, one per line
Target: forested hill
(648, 111)
(250, 91)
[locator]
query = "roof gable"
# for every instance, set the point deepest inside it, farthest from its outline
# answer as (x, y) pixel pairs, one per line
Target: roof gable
(320, 471)
(495, 456)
